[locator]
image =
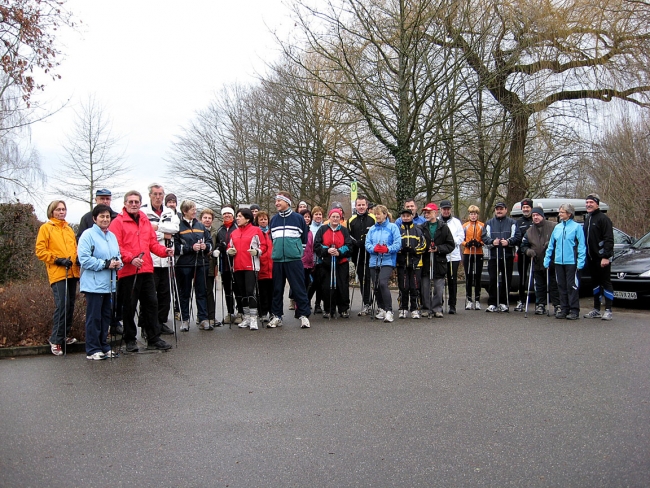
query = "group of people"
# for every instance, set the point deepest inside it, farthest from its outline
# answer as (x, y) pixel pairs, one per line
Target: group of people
(159, 256)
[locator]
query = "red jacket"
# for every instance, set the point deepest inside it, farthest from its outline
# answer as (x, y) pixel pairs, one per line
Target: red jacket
(243, 239)
(133, 239)
(266, 263)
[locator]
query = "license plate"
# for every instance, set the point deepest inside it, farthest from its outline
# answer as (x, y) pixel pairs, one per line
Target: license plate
(625, 295)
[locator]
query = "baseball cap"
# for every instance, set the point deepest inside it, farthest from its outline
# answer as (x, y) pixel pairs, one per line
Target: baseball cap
(430, 206)
(500, 204)
(406, 211)
(445, 204)
(103, 193)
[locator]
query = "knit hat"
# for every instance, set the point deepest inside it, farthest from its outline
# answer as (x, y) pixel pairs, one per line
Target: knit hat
(537, 210)
(335, 210)
(226, 210)
(594, 197)
(170, 196)
(527, 201)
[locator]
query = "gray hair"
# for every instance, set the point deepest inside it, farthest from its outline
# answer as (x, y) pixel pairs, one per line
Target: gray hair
(570, 209)
(154, 185)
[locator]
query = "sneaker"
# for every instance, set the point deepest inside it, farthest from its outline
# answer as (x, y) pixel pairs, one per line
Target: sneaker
(265, 318)
(381, 314)
(477, 305)
(98, 356)
(345, 314)
(238, 319)
(165, 329)
(469, 305)
(228, 319)
(159, 344)
(132, 346)
(252, 322)
(437, 315)
(111, 354)
(540, 309)
(572, 316)
(292, 304)
(415, 314)
(452, 309)
(560, 314)
(607, 315)
(503, 308)
(244, 323)
(557, 310)
(275, 322)
(206, 325)
(425, 314)
(594, 314)
(389, 316)
(56, 349)
(326, 315)
(216, 323)
(318, 309)
(492, 308)
(519, 307)
(304, 322)
(185, 326)
(70, 340)
(365, 310)
(403, 314)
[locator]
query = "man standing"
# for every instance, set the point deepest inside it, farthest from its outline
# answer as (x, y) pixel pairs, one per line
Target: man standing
(137, 240)
(164, 222)
(599, 236)
(290, 234)
(453, 258)
(499, 235)
(409, 265)
(359, 224)
(413, 207)
(102, 197)
(523, 263)
(221, 240)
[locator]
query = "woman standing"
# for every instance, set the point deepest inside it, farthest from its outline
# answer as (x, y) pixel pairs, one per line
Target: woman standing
(473, 259)
(315, 288)
(308, 257)
(265, 275)
(99, 255)
(246, 246)
(193, 246)
(56, 246)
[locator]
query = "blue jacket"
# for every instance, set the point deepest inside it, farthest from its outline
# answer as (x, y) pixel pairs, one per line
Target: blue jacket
(568, 241)
(388, 234)
(94, 248)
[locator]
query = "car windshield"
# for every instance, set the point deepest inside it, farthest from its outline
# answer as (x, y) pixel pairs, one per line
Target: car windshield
(643, 243)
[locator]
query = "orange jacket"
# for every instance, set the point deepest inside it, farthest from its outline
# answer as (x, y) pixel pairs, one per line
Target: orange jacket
(473, 230)
(56, 239)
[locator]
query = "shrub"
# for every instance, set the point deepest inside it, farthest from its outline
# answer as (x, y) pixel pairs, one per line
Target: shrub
(18, 230)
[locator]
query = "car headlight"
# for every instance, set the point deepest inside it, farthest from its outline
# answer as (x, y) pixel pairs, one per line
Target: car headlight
(645, 274)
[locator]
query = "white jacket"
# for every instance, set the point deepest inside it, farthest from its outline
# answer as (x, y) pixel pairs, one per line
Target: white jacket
(167, 224)
(456, 228)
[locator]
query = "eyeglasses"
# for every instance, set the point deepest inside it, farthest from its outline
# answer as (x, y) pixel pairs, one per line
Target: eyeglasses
(133, 202)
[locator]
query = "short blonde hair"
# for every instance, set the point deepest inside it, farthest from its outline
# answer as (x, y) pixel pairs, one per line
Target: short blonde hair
(52, 206)
(381, 209)
(207, 211)
(187, 205)
(473, 209)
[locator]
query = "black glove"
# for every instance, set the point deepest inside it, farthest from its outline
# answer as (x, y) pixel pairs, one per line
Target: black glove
(107, 263)
(65, 262)
(412, 251)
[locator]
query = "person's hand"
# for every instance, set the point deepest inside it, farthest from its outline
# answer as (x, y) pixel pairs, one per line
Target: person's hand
(216, 253)
(531, 253)
(604, 262)
(170, 251)
(504, 242)
(253, 252)
(196, 246)
(138, 262)
(65, 262)
(434, 248)
(496, 242)
(381, 249)
(231, 251)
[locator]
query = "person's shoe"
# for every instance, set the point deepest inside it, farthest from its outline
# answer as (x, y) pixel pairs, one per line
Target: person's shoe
(216, 323)
(165, 329)
(111, 354)
(365, 310)
(252, 322)
(132, 346)
(177, 316)
(503, 308)
(238, 319)
(403, 314)
(389, 316)
(381, 314)
(206, 325)
(452, 309)
(540, 309)
(469, 305)
(425, 314)
(292, 304)
(572, 316)
(143, 333)
(56, 349)
(98, 356)
(318, 309)
(227, 319)
(415, 314)
(437, 315)
(520, 306)
(275, 322)
(265, 318)
(117, 329)
(560, 314)
(159, 344)
(244, 323)
(185, 326)
(607, 315)
(326, 315)
(345, 314)
(492, 308)
(477, 305)
(304, 322)
(594, 314)
(70, 340)
(557, 309)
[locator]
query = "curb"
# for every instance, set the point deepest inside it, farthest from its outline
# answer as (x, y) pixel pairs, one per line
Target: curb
(13, 352)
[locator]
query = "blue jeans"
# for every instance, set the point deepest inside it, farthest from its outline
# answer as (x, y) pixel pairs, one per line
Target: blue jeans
(62, 320)
(98, 319)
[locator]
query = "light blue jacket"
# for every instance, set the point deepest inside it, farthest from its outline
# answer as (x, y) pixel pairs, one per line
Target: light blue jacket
(94, 248)
(567, 240)
(388, 234)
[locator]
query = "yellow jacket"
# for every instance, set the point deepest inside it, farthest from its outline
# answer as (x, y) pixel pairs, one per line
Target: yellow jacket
(56, 240)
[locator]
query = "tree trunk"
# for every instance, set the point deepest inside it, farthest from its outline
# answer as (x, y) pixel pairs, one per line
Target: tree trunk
(517, 181)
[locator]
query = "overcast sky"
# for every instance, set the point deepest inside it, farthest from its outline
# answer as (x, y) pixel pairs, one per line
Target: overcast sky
(152, 65)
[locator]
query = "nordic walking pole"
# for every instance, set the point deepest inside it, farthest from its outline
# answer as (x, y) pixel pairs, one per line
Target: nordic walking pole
(332, 281)
(505, 278)
(432, 289)
(548, 294)
(530, 277)
(111, 328)
(172, 277)
(65, 314)
(498, 280)
(232, 287)
(196, 260)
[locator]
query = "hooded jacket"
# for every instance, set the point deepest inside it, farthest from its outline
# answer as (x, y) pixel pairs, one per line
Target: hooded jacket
(537, 238)
(568, 242)
(444, 242)
(56, 239)
(242, 239)
(95, 247)
(388, 234)
(327, 237)
(413, 245)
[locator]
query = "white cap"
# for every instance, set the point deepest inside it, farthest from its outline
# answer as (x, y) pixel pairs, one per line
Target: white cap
(226, 210)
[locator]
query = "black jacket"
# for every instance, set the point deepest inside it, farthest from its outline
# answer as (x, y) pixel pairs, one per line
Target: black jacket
(221, 240)
(599, 236)
(188, 235)
(523, 224)
(444, 242)
(358, 225)
(87, 222)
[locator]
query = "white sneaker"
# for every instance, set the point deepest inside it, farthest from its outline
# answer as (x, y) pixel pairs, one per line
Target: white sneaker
(388, 317)
(364, 311)
(244, 323)
(492, 308)
(98, 356)
(381, 314)
(607, 315)
(185, 326)
(252, 322)
(415, 314)
(594, 314)
(403, 314)
(503, 308)
(469, 305)
(275, 322)
(477, 305)
(304, 322)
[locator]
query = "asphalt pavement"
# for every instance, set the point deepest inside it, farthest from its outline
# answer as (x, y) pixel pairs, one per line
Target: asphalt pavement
(473, 399)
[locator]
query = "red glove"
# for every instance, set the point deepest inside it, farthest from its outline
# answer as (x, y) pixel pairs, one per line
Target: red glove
(381, 249)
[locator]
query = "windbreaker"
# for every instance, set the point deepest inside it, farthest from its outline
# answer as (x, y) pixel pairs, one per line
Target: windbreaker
(458, 233)
(503, 228)
(599, 235)
(568, 242)
(56, 239)
(168, 223)
(359, 225)
(95, 247)
(289, 233)
(537, 238)
(413, 246)
(444, 242)
(190, 233)
(327, 237)
(473, 231)
(388, 234)
(243, 239)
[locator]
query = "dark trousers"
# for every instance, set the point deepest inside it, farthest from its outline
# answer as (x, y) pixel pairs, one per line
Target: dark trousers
(210, 291)
(227, 282)
(265, 287)
(523, 267)
(245, 288)
(568, 285)
(98, 319)
(339, 296)
(364, 277)
(63, 309)
(161, 281)
(452, 281)
(144, 292)
(601, 282)
(505, 271)
(473, 264)
(409, 281)
(316, 287)
(185, 278)
(540, 286)
(379, 278)
(294, 273)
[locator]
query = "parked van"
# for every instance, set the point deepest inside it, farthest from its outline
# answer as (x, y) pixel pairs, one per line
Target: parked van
(551, 207)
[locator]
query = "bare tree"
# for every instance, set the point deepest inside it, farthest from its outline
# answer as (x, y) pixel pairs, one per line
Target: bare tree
(91, 158)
